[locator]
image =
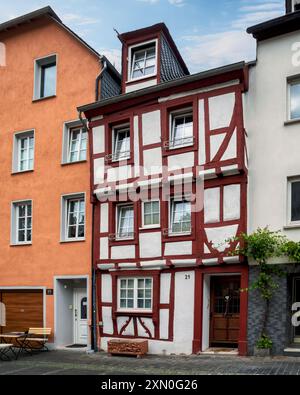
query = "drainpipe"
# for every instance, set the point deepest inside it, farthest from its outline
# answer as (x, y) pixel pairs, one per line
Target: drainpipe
(104, 67)
(94, 288)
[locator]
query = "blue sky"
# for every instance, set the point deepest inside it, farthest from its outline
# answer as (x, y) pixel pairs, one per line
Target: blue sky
(209, 33)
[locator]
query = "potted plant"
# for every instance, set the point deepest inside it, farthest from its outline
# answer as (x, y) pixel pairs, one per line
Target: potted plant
(263, 346)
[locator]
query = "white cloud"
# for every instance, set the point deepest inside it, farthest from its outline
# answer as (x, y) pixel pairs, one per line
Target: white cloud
(79, 20)
(214, 50)
(177, 3)
(233, 44)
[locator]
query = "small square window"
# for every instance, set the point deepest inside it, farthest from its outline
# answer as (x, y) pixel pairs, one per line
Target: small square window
(180, 217)
(23, 155)
(135, 294)
(45, 77)
(121, 143)
(143, 61)
(294, 202)
(73, 218)
(151, 214)
(181, 133)
(22, 222)
(125, 222)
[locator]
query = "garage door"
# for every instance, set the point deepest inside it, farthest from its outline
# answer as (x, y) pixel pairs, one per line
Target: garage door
(23, 310)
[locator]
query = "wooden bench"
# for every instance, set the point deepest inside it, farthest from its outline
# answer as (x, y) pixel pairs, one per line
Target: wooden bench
(37, 338)
(4, 350)
(136, 348)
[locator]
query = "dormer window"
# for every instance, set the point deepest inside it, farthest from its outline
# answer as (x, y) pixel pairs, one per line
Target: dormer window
(121, 143)
(143, 61)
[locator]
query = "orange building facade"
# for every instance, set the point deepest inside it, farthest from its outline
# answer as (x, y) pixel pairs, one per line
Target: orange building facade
(45, 211)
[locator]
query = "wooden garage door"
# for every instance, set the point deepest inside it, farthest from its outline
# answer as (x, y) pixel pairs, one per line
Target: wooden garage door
(23, 310)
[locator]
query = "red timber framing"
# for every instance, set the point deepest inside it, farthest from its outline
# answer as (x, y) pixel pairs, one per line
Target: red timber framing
(131, 112)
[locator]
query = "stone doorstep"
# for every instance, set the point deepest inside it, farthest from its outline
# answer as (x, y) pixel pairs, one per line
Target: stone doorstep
(220, 351)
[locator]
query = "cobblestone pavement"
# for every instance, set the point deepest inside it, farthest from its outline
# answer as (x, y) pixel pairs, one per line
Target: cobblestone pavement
(80, 363)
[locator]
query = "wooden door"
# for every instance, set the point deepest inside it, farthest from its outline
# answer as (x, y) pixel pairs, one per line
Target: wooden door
(225, 311)
(23, 310)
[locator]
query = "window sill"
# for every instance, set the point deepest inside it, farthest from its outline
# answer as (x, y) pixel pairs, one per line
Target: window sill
(134, 312)
(292, 226)
(72, 241)
(150, 227)
(133, 81)
(20, 244)
(292, 122)
(74, 163)
(14, 173)
(34, 100)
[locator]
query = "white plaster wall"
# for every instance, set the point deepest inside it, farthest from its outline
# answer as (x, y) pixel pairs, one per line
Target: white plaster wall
(232, 202)
(218, 236)
(148, 324)
(129, 329)
(140, 85)
(136, 146)
(123, 252)
(106, 288)
(151, 127)
(103, 247)
(182, 161)
(164, 324)
(273, 147)
(201, 153)
(153, 161)
(231, 150)
(150, 245)
(165, 284)
(212, 205)
(107, 320)
(104, 217)
(221, 110)
(98, 171)
(179, 248)
(215, 144)
(184, 310)
(118, 173)
(98, 140)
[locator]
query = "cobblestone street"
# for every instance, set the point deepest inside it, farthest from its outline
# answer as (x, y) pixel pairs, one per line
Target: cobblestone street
(79, 363)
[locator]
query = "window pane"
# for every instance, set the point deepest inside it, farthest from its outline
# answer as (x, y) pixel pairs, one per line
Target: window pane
(21, 236)
(295, 201)
(72, 232)
(130, 304)
(28, 235)
(148, 283)
(48, 80)
(295, 100)
(140, 303)
(148, 303)
(80, 231)
(21, 223)
(130, 283)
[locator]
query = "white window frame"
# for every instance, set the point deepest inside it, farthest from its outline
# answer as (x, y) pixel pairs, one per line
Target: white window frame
(15, 222)
(16, 160)
(291, 81)
(289, 202)
(153, 226)
(171, 203)
(118, 207)
(65, 199)
(135, 294)
(134, 48)
(67, 127)
(82, 131)
(115, 132)
(178, 114)
(38, 64)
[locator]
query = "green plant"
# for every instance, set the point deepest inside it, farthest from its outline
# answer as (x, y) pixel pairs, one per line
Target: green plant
(292, 250)
(261, 246)
(264, 343)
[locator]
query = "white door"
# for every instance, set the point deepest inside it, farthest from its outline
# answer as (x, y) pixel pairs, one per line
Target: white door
(80, 316)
